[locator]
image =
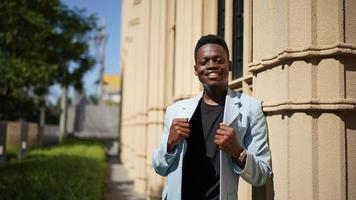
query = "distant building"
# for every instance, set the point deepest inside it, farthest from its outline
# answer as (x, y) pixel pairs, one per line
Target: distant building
(112, 88)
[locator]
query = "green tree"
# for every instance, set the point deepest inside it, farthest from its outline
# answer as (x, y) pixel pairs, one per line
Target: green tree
(42, 42)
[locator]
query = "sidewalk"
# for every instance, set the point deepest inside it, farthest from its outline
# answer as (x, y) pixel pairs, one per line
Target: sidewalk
(120, 187)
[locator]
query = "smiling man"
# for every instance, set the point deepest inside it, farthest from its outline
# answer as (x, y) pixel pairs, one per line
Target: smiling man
(212, 139)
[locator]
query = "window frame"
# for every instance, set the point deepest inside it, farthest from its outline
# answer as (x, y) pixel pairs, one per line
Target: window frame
(237, 39)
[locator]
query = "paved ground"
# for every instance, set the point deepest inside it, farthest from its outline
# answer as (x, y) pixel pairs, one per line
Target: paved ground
(120, 186)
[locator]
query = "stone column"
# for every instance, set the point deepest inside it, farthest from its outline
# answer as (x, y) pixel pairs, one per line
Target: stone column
(136, 24)
(189, 28)
(156, 90)
(304, 55)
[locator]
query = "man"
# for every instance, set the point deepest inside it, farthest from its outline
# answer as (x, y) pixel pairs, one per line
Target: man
(211, 139)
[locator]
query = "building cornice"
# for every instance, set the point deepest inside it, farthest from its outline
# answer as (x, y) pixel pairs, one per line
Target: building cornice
(311, 104)
(313, 51)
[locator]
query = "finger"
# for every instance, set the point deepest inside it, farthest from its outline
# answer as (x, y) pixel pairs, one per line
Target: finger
(218, 137)
(184, 130)
(183, 135)
(224, 133)
(227, 130)
(180, 127)
(224, 127)
(221, 138)
(180, 130)
(220, 132)
(183, 124)
(180, 119)
(222, 124)
(217, 142)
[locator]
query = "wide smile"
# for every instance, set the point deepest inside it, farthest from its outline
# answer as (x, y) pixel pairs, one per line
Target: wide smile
(212, 74)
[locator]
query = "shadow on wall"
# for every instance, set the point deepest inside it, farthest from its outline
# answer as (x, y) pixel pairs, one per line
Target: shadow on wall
(265, 192)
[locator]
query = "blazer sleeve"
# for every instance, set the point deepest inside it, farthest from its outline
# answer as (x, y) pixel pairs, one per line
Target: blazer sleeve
(162, 161)
(257, 168)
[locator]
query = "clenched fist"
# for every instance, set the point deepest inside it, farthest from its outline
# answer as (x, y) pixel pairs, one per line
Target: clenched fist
(179, 130)
(226, 139)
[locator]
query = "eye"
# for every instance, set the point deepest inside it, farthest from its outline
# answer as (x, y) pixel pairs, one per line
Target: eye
(203, 62)
(220, 60)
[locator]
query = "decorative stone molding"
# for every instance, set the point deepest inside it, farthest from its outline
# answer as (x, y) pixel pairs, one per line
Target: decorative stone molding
(154, 122)
(134, 21)
(128, 39)
(135, 124)
(134, 116)
(141, 155)
(237, 83)
(124, 51)
(311, 104)
(150, 109)
(181, 97)
(310, 52)
(137, 2)
(141, 178)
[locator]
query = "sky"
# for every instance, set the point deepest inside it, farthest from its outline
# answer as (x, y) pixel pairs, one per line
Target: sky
(111, 11)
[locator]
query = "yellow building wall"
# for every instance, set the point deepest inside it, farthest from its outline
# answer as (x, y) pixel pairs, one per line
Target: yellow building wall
(112, 82)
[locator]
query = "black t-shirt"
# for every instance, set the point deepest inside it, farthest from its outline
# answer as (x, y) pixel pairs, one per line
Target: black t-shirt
(201, 163)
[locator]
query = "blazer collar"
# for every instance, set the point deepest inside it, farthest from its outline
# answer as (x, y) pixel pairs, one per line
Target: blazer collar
(188, 108)
(231, 111)
(232, 106)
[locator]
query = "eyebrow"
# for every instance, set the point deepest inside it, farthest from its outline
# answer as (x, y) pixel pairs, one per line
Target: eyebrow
(214, 57)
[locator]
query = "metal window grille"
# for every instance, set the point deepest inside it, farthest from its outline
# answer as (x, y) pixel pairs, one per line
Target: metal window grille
(221, 18)
(237, 39)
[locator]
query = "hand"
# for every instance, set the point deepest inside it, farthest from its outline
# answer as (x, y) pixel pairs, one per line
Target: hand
(179, 130)
(226, 139)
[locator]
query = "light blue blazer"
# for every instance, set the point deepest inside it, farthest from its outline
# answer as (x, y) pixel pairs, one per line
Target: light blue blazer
(241, 112)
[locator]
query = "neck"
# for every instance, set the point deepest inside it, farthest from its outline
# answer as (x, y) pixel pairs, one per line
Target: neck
(214, 96)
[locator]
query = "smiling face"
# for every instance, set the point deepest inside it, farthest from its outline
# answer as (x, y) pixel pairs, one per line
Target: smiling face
(212, 66)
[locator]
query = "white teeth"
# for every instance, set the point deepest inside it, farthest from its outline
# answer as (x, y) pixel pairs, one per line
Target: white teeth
(212, 74)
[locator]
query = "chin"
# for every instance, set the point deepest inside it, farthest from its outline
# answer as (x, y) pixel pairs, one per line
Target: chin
(213, 83)
(212, 86)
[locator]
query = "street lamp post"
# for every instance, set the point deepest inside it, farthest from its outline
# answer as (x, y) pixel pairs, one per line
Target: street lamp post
(100, 42)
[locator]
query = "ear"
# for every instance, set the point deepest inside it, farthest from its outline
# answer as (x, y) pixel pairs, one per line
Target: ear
(230, 65)
(195, 70)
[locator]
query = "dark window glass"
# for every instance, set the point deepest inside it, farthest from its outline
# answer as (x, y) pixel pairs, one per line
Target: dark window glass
(221, 18)
(237, 39)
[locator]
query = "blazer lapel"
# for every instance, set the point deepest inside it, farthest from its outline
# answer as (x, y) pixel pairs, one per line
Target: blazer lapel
(186, 111)
(188, 108)
(232, 107)
(228, 178)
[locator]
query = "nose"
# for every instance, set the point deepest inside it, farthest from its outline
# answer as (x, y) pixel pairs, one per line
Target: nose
(211, 64)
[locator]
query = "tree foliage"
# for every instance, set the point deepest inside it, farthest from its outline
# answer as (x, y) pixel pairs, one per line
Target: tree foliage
(39, 40)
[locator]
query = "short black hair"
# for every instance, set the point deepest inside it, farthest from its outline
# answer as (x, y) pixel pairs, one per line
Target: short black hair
(211, 39)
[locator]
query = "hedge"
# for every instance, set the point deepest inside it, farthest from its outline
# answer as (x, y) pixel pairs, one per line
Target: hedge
(75, 170)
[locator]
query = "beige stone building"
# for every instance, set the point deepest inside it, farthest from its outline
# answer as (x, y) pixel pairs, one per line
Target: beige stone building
(299, 57)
